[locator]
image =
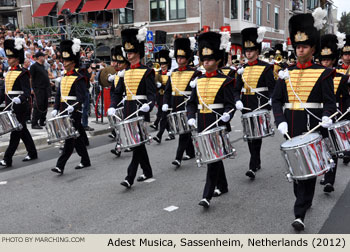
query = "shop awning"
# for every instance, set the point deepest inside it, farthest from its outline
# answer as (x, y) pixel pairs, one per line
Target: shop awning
(94, 5)
(72, 5)
(44, 9)
(117, 4)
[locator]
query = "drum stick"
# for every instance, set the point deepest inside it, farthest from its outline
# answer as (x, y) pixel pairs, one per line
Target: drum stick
(118, 117)
(261, 106)
(246, 108)
(136, 112)
(211, 125)
(287, 135)
(8, 105)
(182, 102)
(347, 111)
(67, 109)
(320, 124)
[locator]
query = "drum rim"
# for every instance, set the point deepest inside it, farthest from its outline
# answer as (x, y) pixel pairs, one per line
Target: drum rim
(219, 128)
(340, 123)
(316, 139)
(258, 112)
(133, 119)
(57, 117)
(178, 112)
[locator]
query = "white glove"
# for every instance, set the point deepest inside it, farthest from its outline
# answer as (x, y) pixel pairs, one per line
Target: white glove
(240, 71)
(225, 117)
(270, 102)
(326, 121)
(283, 128)
(239, 105)
(165, 107)
(111, 111)
(144, 108)
(54, 113)
(193, 83)
(111, 77)
(70, 109)
(159, 84)
(121, 73)
(16, 100)
(191, 122)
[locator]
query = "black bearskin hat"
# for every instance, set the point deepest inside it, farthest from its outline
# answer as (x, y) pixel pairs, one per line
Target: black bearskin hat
(209, 46)
(118, 54)
(182, 47)
(163, 56)
(251, 40)
(14, 49)
(329, 48)
(133, 40)
(70, 50)
(346, 48)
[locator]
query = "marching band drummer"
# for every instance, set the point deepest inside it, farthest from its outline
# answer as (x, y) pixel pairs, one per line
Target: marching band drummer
(71, 90)
(328, 58)
(177, 90)
(307, 100)
(213, 93)
(17, 89)
(137, 81)
(254, 87)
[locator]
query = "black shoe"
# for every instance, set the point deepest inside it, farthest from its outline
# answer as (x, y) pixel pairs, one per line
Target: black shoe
(250, 174)
(298, 225)
(111, 136)
(154, 127)
(155, 138)
(57, 170)
(81, 166)
(142, 178)
(115, 152)
(218, 192)
(28, 122)
(88, 128)
(322, 181)
(28, 158)
(328, 188)
(126, 184)
(346, 160)
(4, 164)
(187, 157)
(42, 124)
(258, 168)
(204, 203)
(36, 127)
(128, 150)
(170, 137)
(177, 163)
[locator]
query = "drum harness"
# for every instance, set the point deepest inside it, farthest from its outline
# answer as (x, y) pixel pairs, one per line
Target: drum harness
(72, 98)
(134, 97)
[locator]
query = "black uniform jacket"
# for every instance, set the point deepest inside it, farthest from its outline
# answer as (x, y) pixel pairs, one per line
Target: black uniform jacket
(179, 81)
(341, 89)
(258, 74)
(17, 79)
(72, 85)
(313, 84)
(228, 71)
(138, 81)
(212, 88)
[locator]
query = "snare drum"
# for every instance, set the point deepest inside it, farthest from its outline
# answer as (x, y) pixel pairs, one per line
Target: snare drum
(178, 123)
(256, 125)
(132, 133)
(113, 120)
(339, 138)
(212, 145)
(8, 122)
(306, 157)
(60, 128)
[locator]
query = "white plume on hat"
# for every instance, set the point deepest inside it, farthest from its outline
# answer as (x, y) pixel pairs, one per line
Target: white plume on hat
(284, 46)
(171, 53)
(319, 14)
(76, 46)
(141, 35)
(193, 43)
(225, 41)
(19, 43)
(341, 39)
(124, 53)
(261, 34)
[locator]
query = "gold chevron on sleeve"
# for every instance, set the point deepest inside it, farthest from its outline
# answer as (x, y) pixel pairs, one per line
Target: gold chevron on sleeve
(164, 79)
(132, 79)
(66, 85)
(180, 80)
(116, 79)
(226, 71)
(207, 88)
(10, 79)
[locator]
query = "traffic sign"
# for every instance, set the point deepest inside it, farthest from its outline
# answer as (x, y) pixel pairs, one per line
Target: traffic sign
(149, 36)
(150, 46)
(157, 48)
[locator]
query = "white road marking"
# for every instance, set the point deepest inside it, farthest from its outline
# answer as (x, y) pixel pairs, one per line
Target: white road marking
(171, 208)
(3, 182)
(150, 180)
(238, 130)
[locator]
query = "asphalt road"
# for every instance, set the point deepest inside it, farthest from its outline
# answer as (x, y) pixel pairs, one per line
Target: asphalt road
(35, 200)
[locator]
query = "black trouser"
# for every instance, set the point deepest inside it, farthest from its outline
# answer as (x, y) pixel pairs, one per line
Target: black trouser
(185, 143)
(15, 138)
(40, 106)
(216, 177)
(163, 125)
(254, 149)
(304, 191)
(77, 143)
(329, 177)
(139, 156)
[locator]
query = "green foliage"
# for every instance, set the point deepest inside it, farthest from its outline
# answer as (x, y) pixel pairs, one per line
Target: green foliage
(344, 23)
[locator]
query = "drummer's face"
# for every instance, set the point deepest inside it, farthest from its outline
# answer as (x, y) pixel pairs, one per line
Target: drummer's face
(68, 65)
(121, 65)
(164, 67)
(327, 63)
(210, 65)
(304, 53)
(181, 61)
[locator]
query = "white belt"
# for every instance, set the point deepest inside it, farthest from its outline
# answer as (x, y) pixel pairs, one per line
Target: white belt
(69, 98)
(139, 97)
(261, 89)
(15, 92)
(212, 106)
(298, 105)
(182, 93)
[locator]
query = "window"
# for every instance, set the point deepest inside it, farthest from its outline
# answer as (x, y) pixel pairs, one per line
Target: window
(258, 12)
(312, 4)
(177, 9)
(247, 4)
(277, 10)
(51, 19)
(297, 5)
(268, 10)
(126, 15)
(234, 9)
(158, 10)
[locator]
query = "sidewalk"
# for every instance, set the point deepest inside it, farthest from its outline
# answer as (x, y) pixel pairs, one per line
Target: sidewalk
(40, 136)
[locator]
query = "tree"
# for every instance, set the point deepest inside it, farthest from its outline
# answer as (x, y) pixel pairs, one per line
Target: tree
(344, 23)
